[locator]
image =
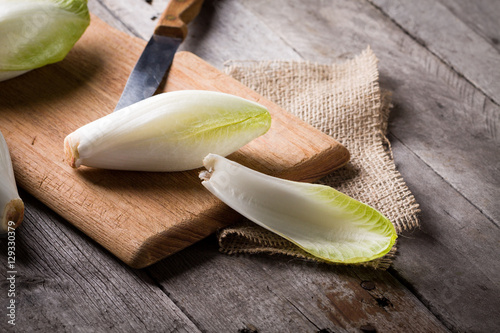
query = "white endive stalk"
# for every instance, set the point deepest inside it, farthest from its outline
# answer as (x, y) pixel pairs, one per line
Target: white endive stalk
(168, 132)
(11, 205)
(322, 221)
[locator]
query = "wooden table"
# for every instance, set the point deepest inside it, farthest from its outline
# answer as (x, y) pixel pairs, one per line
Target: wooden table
(441, 60)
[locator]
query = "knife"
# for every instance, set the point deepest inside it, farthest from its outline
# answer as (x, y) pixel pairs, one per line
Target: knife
(158, 55)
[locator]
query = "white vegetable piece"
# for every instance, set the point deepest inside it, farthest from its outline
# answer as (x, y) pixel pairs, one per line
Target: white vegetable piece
(322, 221)
(34, 33)
(5, 75)
(11, 205)
(168, 132)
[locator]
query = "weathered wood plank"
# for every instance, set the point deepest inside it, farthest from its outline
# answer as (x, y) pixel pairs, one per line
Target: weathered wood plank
(66, 282)
(452, 263)
(279, 294)
(120, 14)
(245, 281)
(98, 8)
(226, 31)
(447, 124)
(480, 15)
(219, 33)
(452, 40)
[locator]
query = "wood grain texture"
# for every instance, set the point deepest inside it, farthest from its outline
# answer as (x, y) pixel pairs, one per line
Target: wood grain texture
(122, 15)
(451, 39)
(140, 217)
(456, 270)
(445, 139)
(224, 30)
(481, 16)
(107, 13)
(279, 294)
(66, 282)
(447, 124)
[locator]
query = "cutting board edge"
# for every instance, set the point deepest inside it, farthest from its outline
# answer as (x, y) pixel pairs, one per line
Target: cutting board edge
(155, 248)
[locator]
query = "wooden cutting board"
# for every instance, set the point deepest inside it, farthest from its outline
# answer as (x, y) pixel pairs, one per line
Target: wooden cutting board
(140, 217)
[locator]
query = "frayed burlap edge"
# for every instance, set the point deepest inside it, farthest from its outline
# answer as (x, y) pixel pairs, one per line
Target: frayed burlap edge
(344, 101)
(245, 238)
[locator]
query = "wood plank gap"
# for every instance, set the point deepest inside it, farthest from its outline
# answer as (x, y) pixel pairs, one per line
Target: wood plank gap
(281, 37)
(471, 27)
(139, 274)
(79, 284)
(461, 293)
(412, 290)
(169, 296)
(130, 29)
(471, 14)
(424, 45)
(296, 308)
(489, 218)
(256, 289)
(421, 298)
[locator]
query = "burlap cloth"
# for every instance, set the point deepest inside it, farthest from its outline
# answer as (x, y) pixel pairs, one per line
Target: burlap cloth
(344, 101)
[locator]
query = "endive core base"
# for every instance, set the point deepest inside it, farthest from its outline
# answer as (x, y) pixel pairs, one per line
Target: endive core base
(70, 152)
(13, 211)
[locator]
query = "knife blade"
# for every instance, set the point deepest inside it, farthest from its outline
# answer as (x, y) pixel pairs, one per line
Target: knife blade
(155, 60)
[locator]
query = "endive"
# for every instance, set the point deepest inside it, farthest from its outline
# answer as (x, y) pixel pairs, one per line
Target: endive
(168, 132)
(11, 205)
(34, 33)
(322, 221)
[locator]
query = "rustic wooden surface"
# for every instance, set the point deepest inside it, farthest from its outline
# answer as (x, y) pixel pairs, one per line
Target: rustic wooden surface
(440, 59)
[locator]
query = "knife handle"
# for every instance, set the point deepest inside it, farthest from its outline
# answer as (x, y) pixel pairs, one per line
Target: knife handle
(174, 20)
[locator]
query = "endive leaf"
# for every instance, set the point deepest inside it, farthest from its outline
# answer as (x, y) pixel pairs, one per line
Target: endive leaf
(168, 132)
(11, 205)
(34, 33)
(319, 219)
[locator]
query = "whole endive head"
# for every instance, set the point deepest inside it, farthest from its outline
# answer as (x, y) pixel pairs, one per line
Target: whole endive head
(168, 132)
(11, 205)
(34, 33)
